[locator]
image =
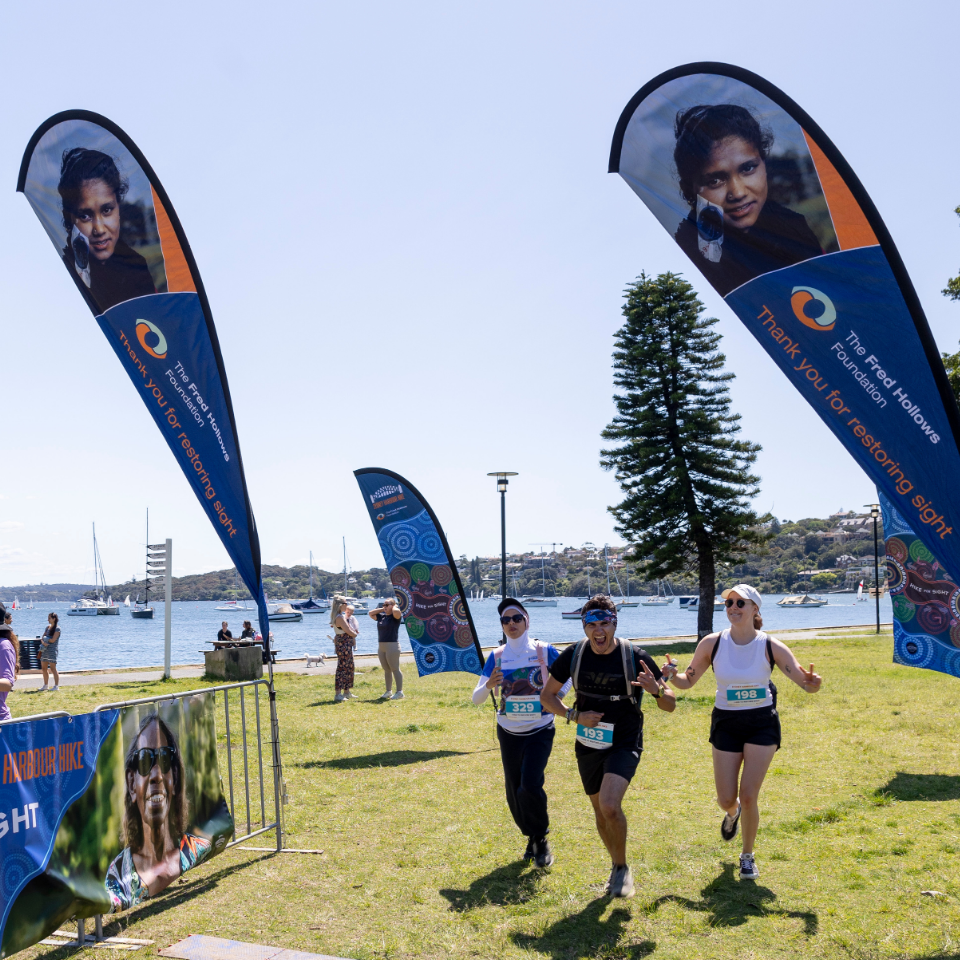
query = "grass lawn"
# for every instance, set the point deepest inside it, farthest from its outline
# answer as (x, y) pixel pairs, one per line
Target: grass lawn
(860, 815)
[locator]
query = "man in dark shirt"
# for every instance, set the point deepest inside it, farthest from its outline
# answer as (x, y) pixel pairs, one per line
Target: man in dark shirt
(388, 618)
(609, 722)
(224, 634)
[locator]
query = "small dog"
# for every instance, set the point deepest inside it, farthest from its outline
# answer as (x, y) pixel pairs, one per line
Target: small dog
(319, 660)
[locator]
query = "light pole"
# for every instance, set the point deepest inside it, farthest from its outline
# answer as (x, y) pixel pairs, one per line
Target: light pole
(875, 513)
(502, 482)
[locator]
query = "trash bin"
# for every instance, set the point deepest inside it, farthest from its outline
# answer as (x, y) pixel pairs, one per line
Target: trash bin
(30, 654)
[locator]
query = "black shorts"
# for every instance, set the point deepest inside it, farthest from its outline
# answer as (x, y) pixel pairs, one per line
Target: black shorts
(595, 764)
(731, 729)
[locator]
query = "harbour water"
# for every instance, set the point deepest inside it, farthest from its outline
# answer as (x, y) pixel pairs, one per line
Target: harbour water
(91, 643)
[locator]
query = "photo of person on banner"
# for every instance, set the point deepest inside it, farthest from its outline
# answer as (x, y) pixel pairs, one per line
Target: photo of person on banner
(730, 176)
(97, 207)
(158, 847)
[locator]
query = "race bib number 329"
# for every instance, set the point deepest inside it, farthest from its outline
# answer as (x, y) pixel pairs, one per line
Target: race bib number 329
(523, 708)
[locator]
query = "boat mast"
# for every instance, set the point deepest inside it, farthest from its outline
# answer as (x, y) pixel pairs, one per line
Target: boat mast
(146, 569)
(543, 574)
(607, 561)
(311, 574)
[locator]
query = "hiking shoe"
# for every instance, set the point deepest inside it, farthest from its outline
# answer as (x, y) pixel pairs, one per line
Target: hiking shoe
(398, 696)
(621, 882)
(529, 853)
(748, 867)
(730, 825)
(543, 855)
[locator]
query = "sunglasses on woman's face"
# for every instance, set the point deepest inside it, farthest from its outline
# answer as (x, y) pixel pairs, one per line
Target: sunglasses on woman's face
(516, 618)
(739, 603)
(148, 756)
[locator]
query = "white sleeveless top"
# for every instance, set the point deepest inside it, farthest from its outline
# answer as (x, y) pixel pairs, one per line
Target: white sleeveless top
(743, 674)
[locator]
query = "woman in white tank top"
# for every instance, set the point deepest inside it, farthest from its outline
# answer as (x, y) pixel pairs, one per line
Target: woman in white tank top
(745, 727)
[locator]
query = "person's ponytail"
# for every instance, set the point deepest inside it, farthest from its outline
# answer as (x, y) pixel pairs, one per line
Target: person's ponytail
(757, 621)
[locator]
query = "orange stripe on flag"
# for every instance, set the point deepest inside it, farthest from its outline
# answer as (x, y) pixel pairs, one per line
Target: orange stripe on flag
(179, 278)
(848, 219)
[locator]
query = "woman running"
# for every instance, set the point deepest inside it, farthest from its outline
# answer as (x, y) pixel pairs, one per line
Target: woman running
(745, 727)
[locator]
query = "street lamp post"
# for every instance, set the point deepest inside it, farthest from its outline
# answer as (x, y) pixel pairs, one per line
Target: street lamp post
(875, 513)
(502, 482)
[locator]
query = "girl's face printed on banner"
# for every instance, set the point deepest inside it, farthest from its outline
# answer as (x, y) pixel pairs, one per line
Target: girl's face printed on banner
(97, 217)
(735, 179)
(152, 793)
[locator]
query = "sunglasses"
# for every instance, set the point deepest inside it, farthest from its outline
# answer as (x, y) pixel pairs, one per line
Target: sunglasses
(599, 616)
(146, 757)
(739, 603)
(516, 618)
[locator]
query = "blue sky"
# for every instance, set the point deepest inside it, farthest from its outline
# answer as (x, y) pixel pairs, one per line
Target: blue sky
(415, 257)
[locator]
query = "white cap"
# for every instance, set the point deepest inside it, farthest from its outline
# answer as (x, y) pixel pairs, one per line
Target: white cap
(745, 591)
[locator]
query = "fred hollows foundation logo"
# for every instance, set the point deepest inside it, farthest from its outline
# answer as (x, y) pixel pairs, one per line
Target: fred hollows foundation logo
(813, 308)
(157, 347)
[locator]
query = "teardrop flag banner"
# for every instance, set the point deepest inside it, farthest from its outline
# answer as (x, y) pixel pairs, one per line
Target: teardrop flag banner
(118, 236)
(925, 598)
(769, 211)
(423, 573)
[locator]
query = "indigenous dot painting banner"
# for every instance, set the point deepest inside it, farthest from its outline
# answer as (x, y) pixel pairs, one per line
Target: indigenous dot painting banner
(423, 573)
(768, 210)
(925, 598)
(119, 239)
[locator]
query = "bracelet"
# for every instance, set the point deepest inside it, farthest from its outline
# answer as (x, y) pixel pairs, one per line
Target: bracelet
(658, 694)
(573, 714)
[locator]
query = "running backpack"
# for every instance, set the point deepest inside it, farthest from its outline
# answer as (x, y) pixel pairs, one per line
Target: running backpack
(629, 673)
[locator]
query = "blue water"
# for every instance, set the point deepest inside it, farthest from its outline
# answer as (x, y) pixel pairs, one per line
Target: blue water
(91, 643)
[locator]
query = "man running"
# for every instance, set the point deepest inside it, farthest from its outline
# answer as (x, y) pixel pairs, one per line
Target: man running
(520, 668)
(606, 673)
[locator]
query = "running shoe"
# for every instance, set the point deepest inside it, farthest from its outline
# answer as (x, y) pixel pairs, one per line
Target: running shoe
(398, 696)
(350, 695)
(621, 883)
(386, 695)
(529, 853)
(609, 881)
(55, 688)
(748, 867)
(43, 689)
(730, 825)
(339, 698)
(543, 855)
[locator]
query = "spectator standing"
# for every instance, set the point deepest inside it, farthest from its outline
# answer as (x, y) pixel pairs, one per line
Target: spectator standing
(49, 647)
(388, 647)
(347, 630)
(9, 662)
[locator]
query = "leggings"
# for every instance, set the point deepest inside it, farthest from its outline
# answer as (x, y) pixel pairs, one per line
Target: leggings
(389, 654)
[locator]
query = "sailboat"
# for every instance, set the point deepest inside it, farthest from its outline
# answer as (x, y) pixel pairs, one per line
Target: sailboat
(543, 600)
(860, 597)
(96, 605)
(235, 603)
(359, 606)
(144, 611)
(661, 599)
(623, 601)
(310, 605)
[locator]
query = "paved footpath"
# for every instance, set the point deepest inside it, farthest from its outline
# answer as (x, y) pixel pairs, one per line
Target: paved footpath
(31, 680)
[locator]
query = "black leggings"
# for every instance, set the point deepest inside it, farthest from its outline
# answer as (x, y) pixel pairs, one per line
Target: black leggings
(524, 762)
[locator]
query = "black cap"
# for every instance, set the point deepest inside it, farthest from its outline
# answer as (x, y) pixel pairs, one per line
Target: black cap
(510, 602)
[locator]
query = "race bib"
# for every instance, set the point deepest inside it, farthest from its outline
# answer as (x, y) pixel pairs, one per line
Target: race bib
(744, 693)
(599, 737)
(523, 709)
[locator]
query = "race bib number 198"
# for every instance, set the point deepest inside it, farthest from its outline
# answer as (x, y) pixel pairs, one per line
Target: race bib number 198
(743, 693)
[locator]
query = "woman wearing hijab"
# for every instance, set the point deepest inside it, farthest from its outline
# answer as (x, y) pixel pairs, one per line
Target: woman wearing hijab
(520, 668)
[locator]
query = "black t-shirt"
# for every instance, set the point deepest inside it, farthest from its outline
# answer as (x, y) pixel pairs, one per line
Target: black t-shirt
(224, 635)
(603, 674)
(388, 628)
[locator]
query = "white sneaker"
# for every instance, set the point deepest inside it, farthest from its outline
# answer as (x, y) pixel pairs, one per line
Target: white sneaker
(55, 688)
(350, 696)
(748, 867)
(339, 698)
(386, 695)
(398, 696)
(43, 689)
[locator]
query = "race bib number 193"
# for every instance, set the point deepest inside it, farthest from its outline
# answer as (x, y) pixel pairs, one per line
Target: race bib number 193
(599, 737)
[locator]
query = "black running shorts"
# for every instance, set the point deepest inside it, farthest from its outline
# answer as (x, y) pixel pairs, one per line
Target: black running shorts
(595, 764)
(731, 729)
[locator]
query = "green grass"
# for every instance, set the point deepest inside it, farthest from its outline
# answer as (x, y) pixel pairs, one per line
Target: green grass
(861, 814)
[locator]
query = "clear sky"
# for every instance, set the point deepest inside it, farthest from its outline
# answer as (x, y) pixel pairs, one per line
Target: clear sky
(415, 257)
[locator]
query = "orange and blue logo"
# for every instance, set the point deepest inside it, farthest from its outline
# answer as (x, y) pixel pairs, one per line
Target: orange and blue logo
(156, 349)
(822, 306)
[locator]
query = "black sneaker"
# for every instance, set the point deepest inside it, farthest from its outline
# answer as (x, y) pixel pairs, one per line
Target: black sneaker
(621, 883)
(730, 825)
(529, 854)
(543, 855)
(748, 867)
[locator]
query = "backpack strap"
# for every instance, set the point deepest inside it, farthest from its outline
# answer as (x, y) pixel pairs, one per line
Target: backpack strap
(713, 652)
(577, 657)
(544, 670)
(630, 672)
(773, 662)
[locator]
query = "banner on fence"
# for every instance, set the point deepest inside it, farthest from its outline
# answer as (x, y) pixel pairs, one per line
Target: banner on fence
(771, 214)
(101, 811)
(423, 573)
(925, 599)
(119, 239)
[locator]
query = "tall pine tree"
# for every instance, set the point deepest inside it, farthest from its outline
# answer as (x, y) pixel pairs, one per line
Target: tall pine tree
(685, 475)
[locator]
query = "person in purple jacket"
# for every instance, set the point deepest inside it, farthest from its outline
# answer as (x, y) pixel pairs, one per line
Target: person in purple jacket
(9, 662)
